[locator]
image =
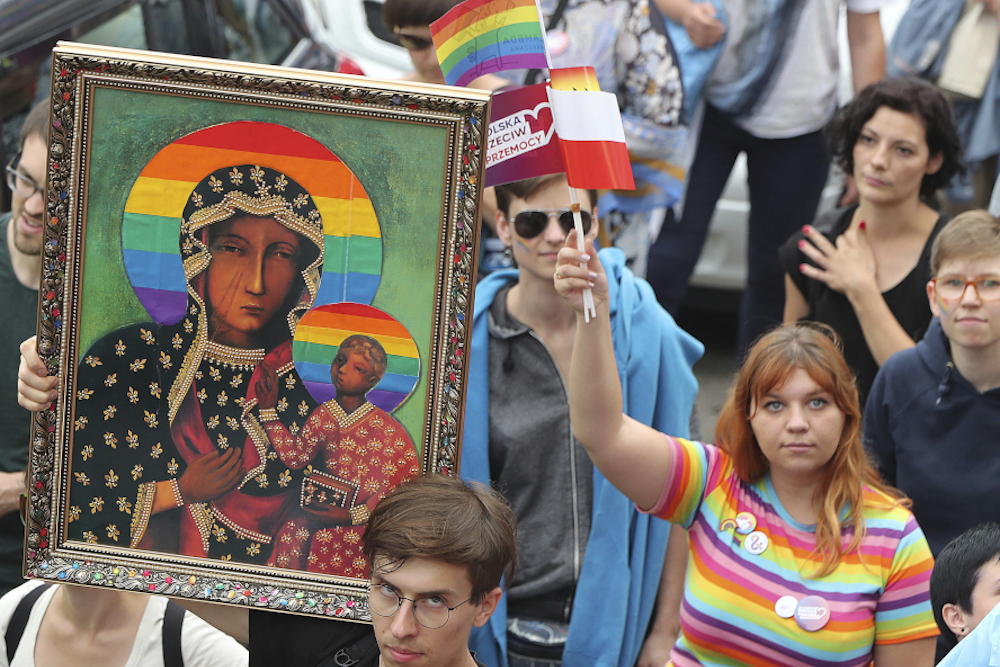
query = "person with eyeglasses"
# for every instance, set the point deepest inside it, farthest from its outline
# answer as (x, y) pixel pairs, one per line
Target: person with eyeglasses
(933, 413)
(580, 540)
(438, 549)
(20, 273)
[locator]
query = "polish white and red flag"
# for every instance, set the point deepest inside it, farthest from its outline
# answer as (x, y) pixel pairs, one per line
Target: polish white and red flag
(590, 130)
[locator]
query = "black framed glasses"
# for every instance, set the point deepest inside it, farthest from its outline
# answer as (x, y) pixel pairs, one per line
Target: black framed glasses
(430, 612)
(952, 288)
(20, 182)
(412, 42)
(529, 224)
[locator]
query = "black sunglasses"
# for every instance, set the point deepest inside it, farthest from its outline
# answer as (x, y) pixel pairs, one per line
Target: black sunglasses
(529, 224)
(413, 43)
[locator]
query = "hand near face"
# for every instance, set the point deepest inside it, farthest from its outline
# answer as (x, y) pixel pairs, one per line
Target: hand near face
(211, 476)
(266, 388)
(570, 279)
(847, 267)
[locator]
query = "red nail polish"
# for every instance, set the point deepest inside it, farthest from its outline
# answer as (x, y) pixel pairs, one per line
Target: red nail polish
(861, 225)
(802, 243)
(805, 229)
(802, 267)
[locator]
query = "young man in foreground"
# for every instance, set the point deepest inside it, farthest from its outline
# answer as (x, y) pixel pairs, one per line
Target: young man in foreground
(437, 549)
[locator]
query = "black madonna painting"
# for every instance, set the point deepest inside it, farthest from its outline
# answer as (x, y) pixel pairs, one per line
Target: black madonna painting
(250, 419)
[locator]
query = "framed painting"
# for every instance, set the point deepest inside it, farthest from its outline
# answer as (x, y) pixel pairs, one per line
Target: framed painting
(256, 284)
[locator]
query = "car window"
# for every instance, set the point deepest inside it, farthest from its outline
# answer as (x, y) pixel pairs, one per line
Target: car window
(253, 31)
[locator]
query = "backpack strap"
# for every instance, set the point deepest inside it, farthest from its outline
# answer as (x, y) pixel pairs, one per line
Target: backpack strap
(352, 655)
(19, 620)
(173, 623)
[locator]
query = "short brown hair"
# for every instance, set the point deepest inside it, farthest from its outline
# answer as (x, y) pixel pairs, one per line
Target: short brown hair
(525, 188)
(443, 518)
(36, 123)
(970, 235)
(403, 13)
(369, 347)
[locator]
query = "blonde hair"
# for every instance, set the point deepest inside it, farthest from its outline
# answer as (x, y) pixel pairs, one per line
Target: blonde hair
(815, 349)
(970, 235)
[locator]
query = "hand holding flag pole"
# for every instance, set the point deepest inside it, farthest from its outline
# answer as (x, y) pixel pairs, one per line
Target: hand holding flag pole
(589, 310)
(481, 36)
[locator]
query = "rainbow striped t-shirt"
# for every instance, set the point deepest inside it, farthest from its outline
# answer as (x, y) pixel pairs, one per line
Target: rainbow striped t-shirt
(878, 594)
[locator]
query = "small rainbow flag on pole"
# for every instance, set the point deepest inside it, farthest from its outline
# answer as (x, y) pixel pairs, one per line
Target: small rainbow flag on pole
(480, 37)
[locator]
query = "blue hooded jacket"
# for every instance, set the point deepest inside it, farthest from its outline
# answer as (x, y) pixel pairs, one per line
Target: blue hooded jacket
(624, 558)
(934, 437)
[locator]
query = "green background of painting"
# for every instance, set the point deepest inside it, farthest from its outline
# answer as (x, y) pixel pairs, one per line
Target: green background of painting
(400, 164)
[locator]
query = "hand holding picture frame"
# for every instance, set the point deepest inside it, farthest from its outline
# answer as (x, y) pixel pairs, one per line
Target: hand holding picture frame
(256, 283)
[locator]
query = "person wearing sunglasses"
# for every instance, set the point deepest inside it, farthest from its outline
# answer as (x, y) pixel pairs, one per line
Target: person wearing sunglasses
(20, 272)
(579, 539)
(410, 21)
(933, 413)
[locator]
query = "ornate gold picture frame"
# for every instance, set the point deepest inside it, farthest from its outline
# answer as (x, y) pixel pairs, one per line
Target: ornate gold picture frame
(256, 288)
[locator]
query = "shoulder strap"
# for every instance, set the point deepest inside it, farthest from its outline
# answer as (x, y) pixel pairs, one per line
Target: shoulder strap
(19, 620)
(557, 15)
(352, 655)
(173, 623)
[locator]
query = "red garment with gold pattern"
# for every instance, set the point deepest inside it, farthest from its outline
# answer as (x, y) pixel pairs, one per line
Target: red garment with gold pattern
(370, 451)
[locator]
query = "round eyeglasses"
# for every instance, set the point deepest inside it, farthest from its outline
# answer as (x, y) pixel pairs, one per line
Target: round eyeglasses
(20, 182)
(952, 288)
(430, 612)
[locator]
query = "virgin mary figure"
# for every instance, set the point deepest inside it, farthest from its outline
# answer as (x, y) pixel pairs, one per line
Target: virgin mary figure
(169, 453)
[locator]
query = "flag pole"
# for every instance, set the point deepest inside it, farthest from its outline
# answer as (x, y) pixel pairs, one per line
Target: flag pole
(589, 310)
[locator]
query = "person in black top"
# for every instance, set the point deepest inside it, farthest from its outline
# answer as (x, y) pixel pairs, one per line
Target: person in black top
(863, 269)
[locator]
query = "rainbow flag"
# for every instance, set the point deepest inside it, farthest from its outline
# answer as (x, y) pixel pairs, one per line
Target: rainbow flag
(479, 37)
(320, 333)
(352, 255)
(574, 78)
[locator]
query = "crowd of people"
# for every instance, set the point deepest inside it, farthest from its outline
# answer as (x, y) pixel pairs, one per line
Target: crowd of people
(844, 512)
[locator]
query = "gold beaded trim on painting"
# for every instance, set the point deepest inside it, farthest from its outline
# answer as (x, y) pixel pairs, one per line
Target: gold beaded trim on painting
(192, 360)
(265, 206)
(233, 357)
(345, 420)
(203, 520)
(259, 438)
(141, 512)
(240, 531)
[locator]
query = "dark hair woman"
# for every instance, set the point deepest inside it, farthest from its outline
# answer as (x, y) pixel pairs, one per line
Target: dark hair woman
(863, 269)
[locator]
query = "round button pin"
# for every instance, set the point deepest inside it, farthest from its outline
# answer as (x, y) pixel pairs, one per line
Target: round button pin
(557, 42)
(756, 542)
(785, 606)
(812, 613)
(745, 523)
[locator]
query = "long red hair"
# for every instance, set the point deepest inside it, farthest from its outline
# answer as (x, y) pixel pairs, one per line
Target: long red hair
(815, 349)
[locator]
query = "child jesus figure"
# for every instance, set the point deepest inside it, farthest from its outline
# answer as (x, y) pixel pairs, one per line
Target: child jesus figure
(363, 453)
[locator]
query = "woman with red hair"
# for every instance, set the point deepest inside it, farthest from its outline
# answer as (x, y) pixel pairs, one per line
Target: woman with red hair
(799, 555)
